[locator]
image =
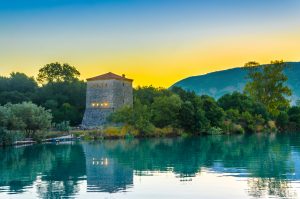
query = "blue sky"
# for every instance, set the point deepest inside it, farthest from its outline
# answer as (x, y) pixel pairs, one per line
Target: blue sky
(147, 39)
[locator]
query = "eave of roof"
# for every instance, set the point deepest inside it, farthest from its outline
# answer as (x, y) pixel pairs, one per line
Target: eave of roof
(108, 76)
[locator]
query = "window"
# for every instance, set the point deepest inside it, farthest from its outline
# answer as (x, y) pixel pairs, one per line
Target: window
(105, 104)
(102, 104)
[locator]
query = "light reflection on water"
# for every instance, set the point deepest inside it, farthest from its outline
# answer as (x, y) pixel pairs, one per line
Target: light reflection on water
(241, 166)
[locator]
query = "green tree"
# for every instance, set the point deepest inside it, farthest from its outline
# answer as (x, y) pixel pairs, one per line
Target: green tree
(20, 120)
(294, 117)
(138, 116)
(165, 110)
(282, 121)
(56, 72)
(267, 85)
(192, 119)
(146, 94)
(32, 117)
(213, 112)
(66, 100)
(242, 103)
(22, 83)
(17, 88)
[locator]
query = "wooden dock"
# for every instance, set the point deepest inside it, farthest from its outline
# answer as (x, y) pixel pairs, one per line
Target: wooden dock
(61, 139)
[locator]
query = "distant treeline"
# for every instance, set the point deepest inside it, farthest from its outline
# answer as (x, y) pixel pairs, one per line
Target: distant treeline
(58, 97)
(263, 107)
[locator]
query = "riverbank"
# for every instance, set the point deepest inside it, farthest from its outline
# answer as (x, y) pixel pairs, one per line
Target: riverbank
(112, 132)
(118, 132)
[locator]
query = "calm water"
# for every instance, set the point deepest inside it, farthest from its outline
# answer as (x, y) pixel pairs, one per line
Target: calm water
(257, 166)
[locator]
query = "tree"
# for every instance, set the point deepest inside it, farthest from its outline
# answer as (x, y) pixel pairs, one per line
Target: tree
(22, 83)
(242, 103)
(294, 117)
(165, 110)
(267, 85)
(146, 94)
(32, 116)
(192, 119)
(17, 88)
(22, 120)
(138, 116)
(66, 100)
(55, 72)
(213, 112)
(282, 121)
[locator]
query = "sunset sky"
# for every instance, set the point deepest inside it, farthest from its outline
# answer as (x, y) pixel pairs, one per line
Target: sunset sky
(154, 42)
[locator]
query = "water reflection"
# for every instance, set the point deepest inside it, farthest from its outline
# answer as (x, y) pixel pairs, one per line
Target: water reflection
(270, 164)
(105, 174)
(56, 169)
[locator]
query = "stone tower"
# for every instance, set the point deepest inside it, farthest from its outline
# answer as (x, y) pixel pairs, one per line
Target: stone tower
(105, 94)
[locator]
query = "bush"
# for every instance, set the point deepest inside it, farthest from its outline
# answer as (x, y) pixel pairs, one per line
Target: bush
(214, 131)
(138, 116)
(238, 129)
(113, 132)
(63, 126)
(26, 117)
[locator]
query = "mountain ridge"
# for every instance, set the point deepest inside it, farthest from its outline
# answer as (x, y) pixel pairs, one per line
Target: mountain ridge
(219, 83)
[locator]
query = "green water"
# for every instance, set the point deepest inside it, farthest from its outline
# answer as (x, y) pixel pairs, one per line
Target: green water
(256, 166)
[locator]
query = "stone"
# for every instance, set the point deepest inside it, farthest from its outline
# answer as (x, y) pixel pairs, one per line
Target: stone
(105, 94)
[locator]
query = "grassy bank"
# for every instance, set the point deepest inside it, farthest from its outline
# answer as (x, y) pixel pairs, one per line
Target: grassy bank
(125, 132)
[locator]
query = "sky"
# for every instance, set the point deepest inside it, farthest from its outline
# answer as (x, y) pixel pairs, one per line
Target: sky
(154, 42)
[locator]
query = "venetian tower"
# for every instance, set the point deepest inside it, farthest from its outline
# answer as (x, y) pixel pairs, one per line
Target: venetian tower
(105, 94)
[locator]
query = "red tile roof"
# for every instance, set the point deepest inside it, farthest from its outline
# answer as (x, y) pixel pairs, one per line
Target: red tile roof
(109, 75)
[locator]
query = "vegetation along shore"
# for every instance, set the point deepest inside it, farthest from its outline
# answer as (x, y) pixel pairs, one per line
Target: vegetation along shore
(53, 104)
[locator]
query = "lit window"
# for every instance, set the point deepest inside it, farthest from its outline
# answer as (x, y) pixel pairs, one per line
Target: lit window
(104, 104)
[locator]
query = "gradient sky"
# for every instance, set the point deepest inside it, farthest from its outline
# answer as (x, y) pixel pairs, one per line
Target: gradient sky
(154, 42)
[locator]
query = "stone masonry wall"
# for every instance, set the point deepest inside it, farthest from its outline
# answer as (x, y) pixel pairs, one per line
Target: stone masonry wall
(113, 93)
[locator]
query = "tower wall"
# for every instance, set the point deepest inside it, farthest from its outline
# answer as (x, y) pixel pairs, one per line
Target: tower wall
(104, 97)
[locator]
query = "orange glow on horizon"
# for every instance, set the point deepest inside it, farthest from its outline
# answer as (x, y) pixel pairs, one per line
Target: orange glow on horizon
(168, 63)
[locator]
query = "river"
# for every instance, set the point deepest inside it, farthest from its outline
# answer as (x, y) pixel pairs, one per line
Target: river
(237, 166)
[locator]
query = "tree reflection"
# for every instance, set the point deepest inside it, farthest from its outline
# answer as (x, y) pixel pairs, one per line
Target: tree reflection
(266, 160)
(260, 187)
(59, 168)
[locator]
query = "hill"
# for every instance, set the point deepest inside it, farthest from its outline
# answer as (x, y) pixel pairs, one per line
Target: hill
(219, 83)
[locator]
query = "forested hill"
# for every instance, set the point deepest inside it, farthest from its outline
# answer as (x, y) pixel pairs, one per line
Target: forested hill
(219, 83)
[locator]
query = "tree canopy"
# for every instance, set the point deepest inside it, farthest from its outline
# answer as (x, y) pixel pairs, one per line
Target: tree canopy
(267, 85)
(56, 72)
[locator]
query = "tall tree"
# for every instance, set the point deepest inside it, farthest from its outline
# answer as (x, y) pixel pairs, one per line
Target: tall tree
(56, 72)
(267, 85)
(165, 110)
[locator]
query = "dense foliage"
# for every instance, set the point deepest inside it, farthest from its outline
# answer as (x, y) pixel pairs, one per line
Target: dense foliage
(23, 119)
(263, 107)
(61, 92)
(267, 85)
(55, 72)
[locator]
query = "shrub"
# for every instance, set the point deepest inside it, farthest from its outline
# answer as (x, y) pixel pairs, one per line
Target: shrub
(26, 117)
(215, 131)
(237, 128)
(63, 126)
(113, 132)
(272, 125)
